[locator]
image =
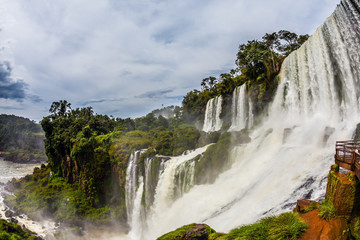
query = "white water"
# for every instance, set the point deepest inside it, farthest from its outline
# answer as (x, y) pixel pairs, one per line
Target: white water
(132, 183)
(242, 115)
(317, 103)
(212, 121)
(9, 170)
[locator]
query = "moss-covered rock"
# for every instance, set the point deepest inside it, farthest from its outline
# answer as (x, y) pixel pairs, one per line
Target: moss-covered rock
(355, 228)
(341, 191)
(12, 231)
(189, 232)
(216, 158)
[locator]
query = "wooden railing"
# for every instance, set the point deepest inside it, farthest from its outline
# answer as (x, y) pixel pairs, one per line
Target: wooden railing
(347, 155)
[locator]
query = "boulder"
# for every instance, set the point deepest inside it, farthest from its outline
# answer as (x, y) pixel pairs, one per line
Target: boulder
(189, 232)
(302, 205)
(199, 232)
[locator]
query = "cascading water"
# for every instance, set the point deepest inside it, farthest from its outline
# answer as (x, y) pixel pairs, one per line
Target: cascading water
(317, 103)
(242, 115)
(132, 183)
(212, 121)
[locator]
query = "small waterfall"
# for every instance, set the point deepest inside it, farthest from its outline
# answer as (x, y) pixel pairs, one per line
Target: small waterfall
(242, 110)
(212, 121)
(132, 183)
(137, 219)
(153, 168)
(184, 177)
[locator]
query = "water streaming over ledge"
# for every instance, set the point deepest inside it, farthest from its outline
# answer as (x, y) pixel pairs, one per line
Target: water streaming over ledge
(212, 121)
(317, 103)
(242, 110)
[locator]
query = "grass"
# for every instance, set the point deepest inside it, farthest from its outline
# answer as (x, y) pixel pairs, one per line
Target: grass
(312, 206)
(287, 226)
(327, 210)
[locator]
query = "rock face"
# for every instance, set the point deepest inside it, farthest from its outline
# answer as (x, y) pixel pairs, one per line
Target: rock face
(320, 229)
(341, 191)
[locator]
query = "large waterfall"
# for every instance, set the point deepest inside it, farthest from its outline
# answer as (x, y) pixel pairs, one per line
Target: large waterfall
(317, 103)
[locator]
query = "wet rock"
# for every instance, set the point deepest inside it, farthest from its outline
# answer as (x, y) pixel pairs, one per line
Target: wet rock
(9, 214)
(302, 205)
(240, 137)
(356, 134)
(327, 133)
(319, 229)
(13, 220)
(199, 232)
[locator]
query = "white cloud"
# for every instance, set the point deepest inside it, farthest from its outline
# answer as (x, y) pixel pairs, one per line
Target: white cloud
(85, 51)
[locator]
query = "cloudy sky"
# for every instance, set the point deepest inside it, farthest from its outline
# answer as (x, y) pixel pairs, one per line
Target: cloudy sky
(126, 58)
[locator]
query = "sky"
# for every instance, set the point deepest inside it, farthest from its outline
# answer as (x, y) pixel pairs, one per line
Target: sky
(126, 58)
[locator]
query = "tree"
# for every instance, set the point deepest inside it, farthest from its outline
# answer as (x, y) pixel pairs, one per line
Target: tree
(209, 83)
(292, 41)
(60, 108)
(250, 58)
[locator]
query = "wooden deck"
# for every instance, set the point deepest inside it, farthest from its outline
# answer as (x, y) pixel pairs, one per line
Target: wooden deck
(347, 155)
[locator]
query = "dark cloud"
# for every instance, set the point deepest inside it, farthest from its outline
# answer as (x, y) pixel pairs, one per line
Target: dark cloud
(154, 94)
(10, 88)
(13, 89)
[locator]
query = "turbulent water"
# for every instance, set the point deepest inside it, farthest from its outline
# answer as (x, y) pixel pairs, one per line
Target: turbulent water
(317, 103)
(9, 170)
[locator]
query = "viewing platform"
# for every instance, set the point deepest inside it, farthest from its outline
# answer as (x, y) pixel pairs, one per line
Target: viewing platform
(347, 155)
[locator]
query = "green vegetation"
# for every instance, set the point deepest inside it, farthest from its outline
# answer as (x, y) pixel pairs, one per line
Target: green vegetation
(12, 231)
(327, 210)
(21, 140)
(355, 228)
(40, 195)
(287, 226)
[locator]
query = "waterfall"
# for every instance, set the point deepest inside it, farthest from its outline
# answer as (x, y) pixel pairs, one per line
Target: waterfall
(242, 110)
(133, 183)
(165, 179)
(212, 121)
(291, 150)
